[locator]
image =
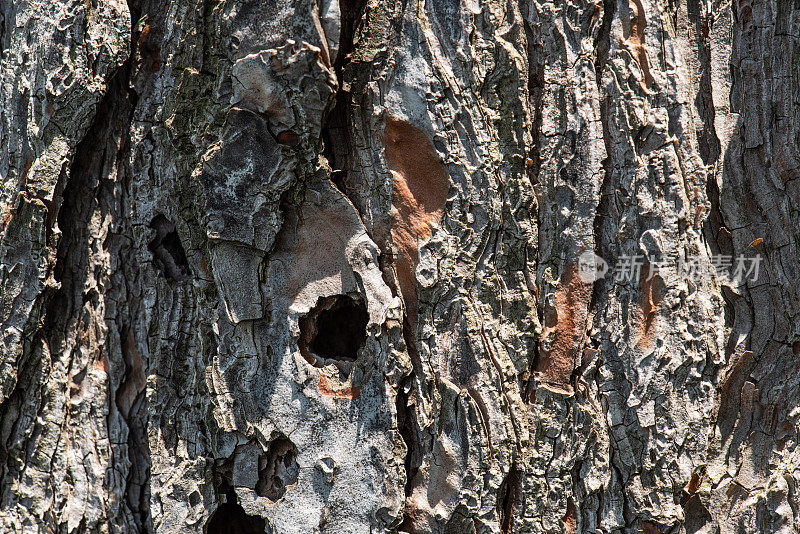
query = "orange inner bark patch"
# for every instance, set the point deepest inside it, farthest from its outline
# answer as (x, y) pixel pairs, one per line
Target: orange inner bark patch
(204, 267)
(693, 485)
(101, 364)
(636, 40)
(349, 392)
(419, 193)
(649, 300)
(565, 328)
(570, 523)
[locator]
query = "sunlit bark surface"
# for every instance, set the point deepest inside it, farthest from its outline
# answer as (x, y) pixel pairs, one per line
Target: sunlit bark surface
(295, 266)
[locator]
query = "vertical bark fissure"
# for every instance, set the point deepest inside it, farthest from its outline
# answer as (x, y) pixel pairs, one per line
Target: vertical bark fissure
(533, 161)
(406, 426)
(507, 497)
(709, 143)
(336, 130)
(137, 483)
(605, 205)
(82, 196)
(602, 42)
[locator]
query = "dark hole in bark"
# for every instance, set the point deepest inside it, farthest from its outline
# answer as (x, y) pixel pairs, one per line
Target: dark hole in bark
(288, 137)
(277, 469)
(230, 518)
(409, 431)
(168, 253)
(333, 330)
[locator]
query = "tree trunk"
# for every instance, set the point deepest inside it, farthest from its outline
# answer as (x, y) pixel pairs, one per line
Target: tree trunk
(326, 266)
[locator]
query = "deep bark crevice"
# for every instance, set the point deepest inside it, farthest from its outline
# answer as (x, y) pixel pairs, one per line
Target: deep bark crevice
(536, 86)
(337, 127)
(167, 250)
(3, 44)
(603, 41)
(708, 141)
(337, 141)
(277, 469)
(507, 497)
(406, 425)
(83, 194)
(715, 230)
(351, 17)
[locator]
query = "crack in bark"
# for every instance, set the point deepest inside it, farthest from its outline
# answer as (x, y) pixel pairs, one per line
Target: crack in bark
(507, 496)
(536, 84)
(406, 424)
(602, 43)
(709, 143)
(336, 136)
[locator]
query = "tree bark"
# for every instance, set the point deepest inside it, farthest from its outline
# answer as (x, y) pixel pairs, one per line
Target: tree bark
(316, 266)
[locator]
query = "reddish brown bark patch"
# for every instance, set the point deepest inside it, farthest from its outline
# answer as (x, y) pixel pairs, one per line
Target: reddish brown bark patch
(569, 520)
(636, 40)
(565, 328)
(509, 489)
(418, 197)
(347, 392)
(101, 364)
(288, 137)
(693, 485)
(651, 294)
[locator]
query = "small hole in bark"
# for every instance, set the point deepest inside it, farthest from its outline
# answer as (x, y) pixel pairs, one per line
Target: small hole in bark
(335, 329)
(168, 253)
(230, 518)
(288, 137)
(277, 469)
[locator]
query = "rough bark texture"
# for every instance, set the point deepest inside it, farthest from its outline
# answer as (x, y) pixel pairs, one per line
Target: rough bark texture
(296, 266)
